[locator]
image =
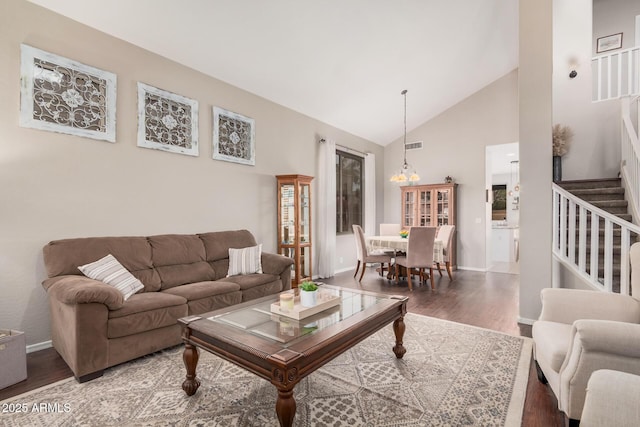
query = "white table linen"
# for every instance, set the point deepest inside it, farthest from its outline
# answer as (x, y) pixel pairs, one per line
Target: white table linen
(400, 244)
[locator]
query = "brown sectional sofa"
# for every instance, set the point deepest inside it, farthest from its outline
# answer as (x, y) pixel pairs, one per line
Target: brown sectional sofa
(93, 327)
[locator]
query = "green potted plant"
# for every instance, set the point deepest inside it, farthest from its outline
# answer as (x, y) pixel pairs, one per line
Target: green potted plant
(308, 293)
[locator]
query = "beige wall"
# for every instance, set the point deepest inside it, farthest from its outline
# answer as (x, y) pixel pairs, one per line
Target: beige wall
(57, 186)
(454, 145)
(612, 17)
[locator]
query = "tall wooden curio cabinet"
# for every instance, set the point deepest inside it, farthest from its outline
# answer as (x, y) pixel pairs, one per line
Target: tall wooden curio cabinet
(430, 205)
(294, 224)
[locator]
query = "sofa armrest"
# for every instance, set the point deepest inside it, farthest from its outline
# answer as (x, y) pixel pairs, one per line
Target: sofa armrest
(596, 344)
(278, 265)
(568, 305)
(82, 290)
(609, 337)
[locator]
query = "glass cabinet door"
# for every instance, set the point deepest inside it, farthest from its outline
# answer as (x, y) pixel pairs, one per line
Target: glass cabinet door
(287, 212)
(424, 214)
(442, 207)
(305, 262)
(408, 206)
(305, 217)
(290, 253)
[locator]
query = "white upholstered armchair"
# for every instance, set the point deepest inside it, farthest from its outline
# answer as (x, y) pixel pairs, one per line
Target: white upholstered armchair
(581, 331)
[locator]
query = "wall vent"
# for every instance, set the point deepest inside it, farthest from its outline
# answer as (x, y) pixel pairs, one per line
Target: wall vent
(414, 145)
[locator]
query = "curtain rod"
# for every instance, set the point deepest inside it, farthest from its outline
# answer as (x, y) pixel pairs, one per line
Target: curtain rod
(342, 147)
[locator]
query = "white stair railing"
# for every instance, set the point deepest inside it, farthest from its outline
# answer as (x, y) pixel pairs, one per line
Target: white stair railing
(616, 75)
(630, 152)
(578, 227)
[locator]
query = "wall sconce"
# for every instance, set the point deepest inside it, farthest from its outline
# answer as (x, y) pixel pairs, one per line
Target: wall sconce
(573, 64)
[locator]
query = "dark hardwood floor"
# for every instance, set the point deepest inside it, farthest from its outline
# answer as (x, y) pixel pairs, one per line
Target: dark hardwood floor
(487, 300)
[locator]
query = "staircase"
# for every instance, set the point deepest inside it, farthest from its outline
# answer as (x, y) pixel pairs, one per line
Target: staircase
(608, 195)
(592, 229)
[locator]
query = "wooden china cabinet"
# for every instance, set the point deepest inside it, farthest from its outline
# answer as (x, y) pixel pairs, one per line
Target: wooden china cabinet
(430, 205)
(294, 224)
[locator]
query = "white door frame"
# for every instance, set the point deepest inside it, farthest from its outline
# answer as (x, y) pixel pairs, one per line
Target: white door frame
(489, 172)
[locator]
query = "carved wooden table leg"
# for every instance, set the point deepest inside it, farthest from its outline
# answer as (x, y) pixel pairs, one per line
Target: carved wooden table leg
(190, 358)
(285, 407)
(398, 329)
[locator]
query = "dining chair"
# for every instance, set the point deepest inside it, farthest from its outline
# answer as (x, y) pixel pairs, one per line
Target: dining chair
(445, 234)
(390, 229)
(419, 254)
(366, 256)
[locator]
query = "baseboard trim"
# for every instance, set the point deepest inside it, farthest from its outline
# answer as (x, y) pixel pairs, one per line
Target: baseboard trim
(342, 270)
(39, 346)
(483, 270)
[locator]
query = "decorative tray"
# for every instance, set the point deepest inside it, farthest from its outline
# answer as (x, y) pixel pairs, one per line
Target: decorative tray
(325, 301)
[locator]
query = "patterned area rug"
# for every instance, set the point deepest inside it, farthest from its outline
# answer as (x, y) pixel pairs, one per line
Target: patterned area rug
(451, 375)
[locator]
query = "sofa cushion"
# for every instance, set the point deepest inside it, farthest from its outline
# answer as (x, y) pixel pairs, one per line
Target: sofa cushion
(62, 257)
(208, 296)
(552, 340)
(111, 272)
(217, 243)
(215, 302)
(180, 259)
(199, 290)
(221, 267)
(245, 260)
(257, 285)
(262, 290)
(144, 312)
(249, 281)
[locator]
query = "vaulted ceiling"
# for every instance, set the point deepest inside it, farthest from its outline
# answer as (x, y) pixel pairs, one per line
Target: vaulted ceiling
(343, 62)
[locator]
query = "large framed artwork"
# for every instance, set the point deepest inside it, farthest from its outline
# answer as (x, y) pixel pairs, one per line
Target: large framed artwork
(61, 95)
(233, 137)
(167, 121)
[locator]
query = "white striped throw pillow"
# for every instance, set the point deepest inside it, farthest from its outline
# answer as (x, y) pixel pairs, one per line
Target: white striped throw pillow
(245, 260)
(111, 272)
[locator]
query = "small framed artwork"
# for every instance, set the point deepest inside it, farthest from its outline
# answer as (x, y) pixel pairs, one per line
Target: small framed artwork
(607, 43)
(167, 121)
(233, 137)
(61, 95)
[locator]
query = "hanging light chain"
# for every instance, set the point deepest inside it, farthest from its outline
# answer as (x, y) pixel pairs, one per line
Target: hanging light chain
(404, 145)
(405, 169)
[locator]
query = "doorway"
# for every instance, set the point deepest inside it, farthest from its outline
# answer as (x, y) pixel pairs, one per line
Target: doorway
(502, 208)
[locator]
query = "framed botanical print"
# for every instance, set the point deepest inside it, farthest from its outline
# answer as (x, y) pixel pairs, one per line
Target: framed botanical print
(61, 95)
(233, 137)
(167, 121)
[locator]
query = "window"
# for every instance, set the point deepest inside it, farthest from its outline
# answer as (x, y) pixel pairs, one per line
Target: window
(348, 191)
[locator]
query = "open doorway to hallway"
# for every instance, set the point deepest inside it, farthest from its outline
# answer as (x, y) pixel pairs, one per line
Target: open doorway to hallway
(503, 208)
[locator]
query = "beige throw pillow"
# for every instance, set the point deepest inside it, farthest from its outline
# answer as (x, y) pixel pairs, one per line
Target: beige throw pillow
(245, 260)
(111, 272)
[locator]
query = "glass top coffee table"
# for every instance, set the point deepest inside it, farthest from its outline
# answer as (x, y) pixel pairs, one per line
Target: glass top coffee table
(284, 350)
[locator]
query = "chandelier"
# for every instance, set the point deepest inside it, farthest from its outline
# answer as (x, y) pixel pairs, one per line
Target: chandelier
(406, 172)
